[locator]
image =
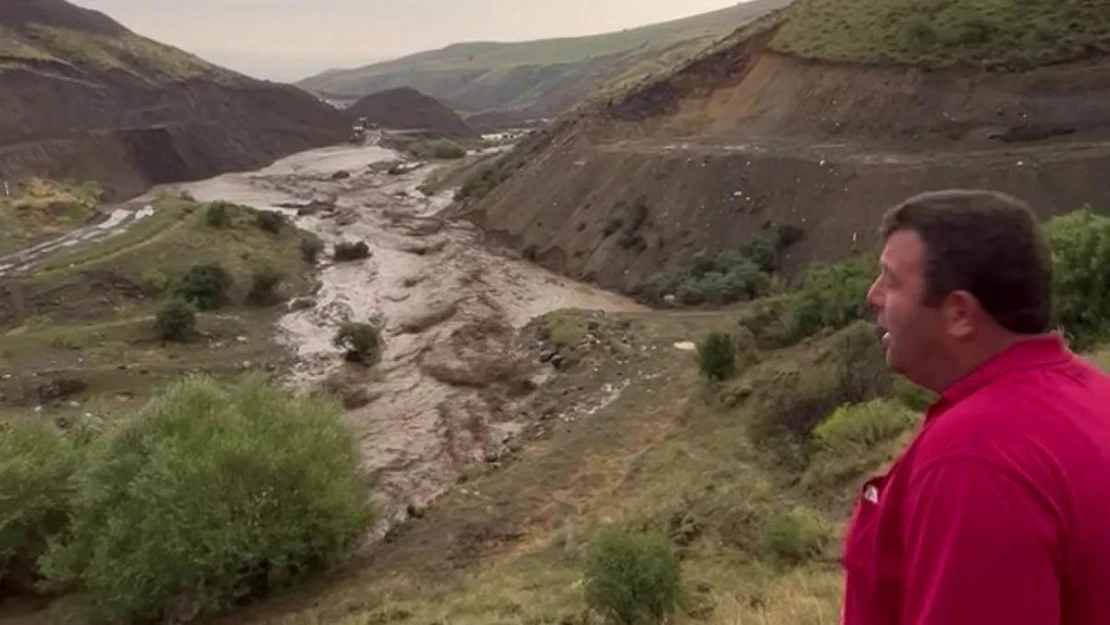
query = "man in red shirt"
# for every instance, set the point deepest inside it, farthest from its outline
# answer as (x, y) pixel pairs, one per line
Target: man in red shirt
(998, 512)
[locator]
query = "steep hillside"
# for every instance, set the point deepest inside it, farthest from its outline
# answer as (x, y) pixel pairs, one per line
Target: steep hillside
(749, 136)
(510, 82)
(85, 98)
(408, 109)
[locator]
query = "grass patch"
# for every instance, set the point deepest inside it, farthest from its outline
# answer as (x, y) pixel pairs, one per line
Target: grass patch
(441, 149)
(480, 183)
(127, 52)
(169, 213)
(1101, 359)
(155, 255)
(853, 440)
(1010, 33)
(40, 209)
(564, 328)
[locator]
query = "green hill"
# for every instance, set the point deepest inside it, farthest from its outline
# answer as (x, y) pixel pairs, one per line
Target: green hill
(538, 77)
(939, 33)
(84, 98)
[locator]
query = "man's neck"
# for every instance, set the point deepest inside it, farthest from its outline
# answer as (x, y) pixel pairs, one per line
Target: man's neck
(965, 362)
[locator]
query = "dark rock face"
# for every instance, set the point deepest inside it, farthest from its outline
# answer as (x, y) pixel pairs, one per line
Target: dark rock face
(408, 109)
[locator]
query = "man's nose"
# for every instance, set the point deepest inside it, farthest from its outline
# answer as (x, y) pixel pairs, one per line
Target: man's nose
(875, 297)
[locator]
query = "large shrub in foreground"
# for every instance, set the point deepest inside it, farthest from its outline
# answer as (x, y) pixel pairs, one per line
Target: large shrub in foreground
(35, 467)
(208, 495)
(632, 579)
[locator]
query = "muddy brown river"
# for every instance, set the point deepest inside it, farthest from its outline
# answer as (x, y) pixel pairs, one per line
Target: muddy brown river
(446, 394)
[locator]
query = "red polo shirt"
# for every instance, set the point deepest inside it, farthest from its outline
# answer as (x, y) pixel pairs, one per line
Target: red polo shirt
(998, 513)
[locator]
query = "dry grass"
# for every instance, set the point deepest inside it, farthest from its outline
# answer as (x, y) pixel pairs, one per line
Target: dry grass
(1101, 358)
(161, 248)
(803, 597)
(129, 53)
(13, 46)
(1015, 33)
(39, 209)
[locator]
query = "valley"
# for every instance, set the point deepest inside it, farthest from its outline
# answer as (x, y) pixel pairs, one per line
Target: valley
(615, 369)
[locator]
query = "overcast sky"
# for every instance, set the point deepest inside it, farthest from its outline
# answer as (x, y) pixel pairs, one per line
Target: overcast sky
(291, 39)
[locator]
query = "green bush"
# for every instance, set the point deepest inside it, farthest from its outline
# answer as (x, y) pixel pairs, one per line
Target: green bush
(912, 396)
(833, 296)
(207, 496)
(852, 369)
(347, 251)
(176, 321)
(218, 215)
(482, 182)
(854, 428)
(154, 281)
(446, 149)
(770, 321)
(828, 297)
(851, 443)
(361, 342)
(1080, 244)
(36, 463)
(205, 286)
(795, 537)
(270, 221)
(632, 579)
(717, 356)
(734, 275)
(311, 247)
(264, 287)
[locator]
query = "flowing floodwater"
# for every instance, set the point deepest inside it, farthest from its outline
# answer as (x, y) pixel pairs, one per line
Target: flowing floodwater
(454, 368)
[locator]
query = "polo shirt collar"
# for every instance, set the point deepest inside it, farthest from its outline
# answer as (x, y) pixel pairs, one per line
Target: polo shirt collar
(1042, 350)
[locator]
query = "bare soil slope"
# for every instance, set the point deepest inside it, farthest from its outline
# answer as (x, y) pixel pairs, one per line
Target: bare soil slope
(85, 98)
(408, 109)
(745, 137)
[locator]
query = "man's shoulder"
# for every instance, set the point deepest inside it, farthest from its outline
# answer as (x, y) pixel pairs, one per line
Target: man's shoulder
(1025, 414)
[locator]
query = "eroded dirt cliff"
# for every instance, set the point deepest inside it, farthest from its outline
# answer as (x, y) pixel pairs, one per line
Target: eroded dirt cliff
(745, 138)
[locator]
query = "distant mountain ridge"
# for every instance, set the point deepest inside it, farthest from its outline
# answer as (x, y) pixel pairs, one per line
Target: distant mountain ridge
(83, 97)
(538, 78)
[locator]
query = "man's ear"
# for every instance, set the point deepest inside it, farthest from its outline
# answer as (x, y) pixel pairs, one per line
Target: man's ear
(962, 314)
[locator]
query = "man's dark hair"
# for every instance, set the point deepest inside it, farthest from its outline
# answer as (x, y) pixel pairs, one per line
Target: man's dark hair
(986, 243)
